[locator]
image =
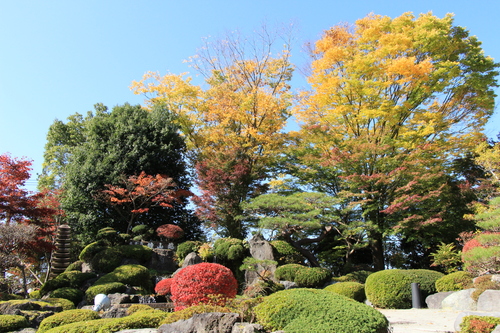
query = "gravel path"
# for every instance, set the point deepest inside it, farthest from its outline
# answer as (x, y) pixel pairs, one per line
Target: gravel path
(421, 320)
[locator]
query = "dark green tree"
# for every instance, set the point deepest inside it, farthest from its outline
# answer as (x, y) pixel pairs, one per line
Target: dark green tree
(102, 147)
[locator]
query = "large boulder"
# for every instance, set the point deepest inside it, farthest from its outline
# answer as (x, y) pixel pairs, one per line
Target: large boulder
(163, 260)
(191, 259)
(260, 249)
(489, 300)
(214, 322)
(434, 301)
(247, 328)
(460, 300)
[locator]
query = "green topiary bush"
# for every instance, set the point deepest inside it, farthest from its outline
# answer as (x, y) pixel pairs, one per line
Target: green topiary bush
(88, 326)
(71, 279)
(138, 307)
(392, 288)
(230, 249)
(358, 276)
(66, 304)
(312, 277)
(76, 266)
(317, 310)
(91, 250)
(140, 319)
(71, 294)
(9, 323)
(353, 290)
(192, 310)
(455, 281)
(288, 272)
(185, 248)
(134, 275)
(284, 253)
(66, 317)
(107, 288)
(110, 258)
(478, 324)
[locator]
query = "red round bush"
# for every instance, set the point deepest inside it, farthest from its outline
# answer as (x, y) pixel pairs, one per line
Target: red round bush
(206, 283)
(163, 287)
(170, 231)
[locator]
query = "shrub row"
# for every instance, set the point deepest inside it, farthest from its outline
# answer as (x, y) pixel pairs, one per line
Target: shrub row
(308, 277)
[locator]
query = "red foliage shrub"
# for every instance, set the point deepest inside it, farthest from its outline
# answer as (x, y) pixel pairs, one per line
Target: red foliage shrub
(469, 245)
(481, 326)
(170, 231)
(206, 283)
(163, 287)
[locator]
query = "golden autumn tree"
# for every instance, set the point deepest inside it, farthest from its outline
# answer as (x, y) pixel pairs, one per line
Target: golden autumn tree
(392, 102)
(234, 123)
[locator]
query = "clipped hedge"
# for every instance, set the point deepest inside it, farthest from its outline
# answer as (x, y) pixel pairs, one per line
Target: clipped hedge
(66, 317)
(105, 259)
(140, 319)
(91, 250)
(358, 276)
(191, 311)
(71, 294)
(391, 289)
(65, 303)
(317, 310)
(455, 282)
(70, 279)
(107, 288)
(353, 290)
(134, 275)
(288, 272)
(9, 323)
(312, 277)
(185, 248)
(87, 326)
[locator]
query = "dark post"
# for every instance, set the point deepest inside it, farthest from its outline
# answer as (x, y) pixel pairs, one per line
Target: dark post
(416, 301)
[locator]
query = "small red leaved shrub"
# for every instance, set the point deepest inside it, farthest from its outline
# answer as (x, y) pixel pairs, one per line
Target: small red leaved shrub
(170, 231)
(163, 287)
(205, 283)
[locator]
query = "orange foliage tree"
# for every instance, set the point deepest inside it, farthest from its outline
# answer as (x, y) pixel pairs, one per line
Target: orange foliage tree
(141, 193)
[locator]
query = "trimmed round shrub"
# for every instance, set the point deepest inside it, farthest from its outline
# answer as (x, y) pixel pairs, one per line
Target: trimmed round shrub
(65, 303)
(185, 248)
(354, 290)
(288, 272)
(163, 287)
(137, 320)
(317, 310)
(170, 231)
(107, 288)
(110, 258)
(89, 326)
(138, 307)
(358, 276)
(391, 289)
(91, 250)
(191, 311)
(76, 266)
(454, 282)
(71, 294)
(200, 283)
(284, 253)
(67, 317)
(229, 249)
(9, 323)
(312, 277)
(71, 279)
(134, 275)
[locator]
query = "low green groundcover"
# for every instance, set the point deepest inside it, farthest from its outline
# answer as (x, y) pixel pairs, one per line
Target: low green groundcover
(67, 317)
(318, 311)
(9, 323)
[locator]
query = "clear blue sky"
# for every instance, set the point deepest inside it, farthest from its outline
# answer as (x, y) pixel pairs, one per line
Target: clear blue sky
(61, 57)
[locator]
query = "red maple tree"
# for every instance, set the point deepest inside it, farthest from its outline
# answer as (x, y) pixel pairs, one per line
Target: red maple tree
(140, 193)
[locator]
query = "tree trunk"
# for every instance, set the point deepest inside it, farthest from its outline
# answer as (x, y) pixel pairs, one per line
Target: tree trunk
(377, 247)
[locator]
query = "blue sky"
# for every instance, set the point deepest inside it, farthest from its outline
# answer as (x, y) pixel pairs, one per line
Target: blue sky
(62, 57)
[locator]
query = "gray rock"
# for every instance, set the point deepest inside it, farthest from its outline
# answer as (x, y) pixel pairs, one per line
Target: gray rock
(118, 298)
(86, 268)
(496, 330)
(163, 260)
(289, 284)
(460, 300)
(434, 301)
(191, 259)
(26, 330)
(116, 311)
(247, 328)
(495, 277)
(140, 330)
(461, 316)
(260, 249)
(489, 300)
(215, 322)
